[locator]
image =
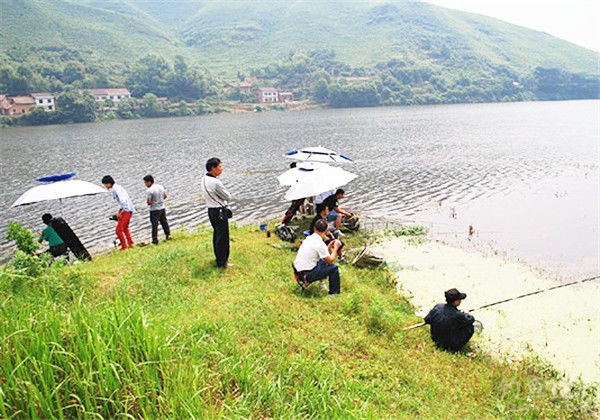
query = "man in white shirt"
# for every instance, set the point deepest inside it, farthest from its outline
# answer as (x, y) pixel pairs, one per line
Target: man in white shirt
(319, 198)
(126, 209)
(155, 196)
(217, 198)
(314, 260)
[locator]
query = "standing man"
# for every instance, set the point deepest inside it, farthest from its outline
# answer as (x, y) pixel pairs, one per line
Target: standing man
(314, 261)
(155, 195)
(126, 209)
(217, 198)
(451, 329)
(336, 213)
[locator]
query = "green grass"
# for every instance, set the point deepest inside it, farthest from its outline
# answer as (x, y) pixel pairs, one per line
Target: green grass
(160, 332)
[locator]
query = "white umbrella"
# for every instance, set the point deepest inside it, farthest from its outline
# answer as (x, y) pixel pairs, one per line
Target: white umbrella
(318, 154)
(293, 175)
(319, 181)
(58, 190)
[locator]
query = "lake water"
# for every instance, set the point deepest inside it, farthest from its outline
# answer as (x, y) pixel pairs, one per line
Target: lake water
(524, 175)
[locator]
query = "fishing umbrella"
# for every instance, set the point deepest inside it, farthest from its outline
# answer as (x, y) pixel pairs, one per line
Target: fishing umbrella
(319, 181)
(318, 154)
(57, 190)
(294, 175)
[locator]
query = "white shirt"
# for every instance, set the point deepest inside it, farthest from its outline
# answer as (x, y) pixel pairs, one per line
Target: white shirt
(311, 251)
(156, 195)
(214, 192)
(122, 198)
(319, 198)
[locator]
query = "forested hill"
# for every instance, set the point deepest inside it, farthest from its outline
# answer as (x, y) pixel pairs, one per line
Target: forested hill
(410, 52)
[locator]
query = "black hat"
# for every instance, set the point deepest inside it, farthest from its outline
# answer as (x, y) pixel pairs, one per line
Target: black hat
(454, 294)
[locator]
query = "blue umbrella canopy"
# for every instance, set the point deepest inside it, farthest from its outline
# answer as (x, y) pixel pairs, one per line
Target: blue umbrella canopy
(54, 178)
(58, 190)
(318, 154)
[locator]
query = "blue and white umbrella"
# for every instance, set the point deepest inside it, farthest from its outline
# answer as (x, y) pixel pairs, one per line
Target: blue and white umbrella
(301, 171)
(57, 187)
(318, 154)
(316, 182)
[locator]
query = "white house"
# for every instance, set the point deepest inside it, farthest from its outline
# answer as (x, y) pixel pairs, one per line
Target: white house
(45, 100)
(112, 94)
(267, 94)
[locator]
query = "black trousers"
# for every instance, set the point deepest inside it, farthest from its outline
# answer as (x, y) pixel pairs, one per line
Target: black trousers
(220, 225)
(457, 340)
(157, 216)
(57, 250)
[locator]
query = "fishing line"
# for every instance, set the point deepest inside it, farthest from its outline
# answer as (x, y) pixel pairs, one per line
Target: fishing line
(535, 293)
(559, 286)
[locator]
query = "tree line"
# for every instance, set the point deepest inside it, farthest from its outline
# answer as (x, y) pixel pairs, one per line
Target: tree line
(317, 76)
(149, 78)
(320, 77)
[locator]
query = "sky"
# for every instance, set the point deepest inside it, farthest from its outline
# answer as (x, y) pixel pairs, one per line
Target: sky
(577, 21)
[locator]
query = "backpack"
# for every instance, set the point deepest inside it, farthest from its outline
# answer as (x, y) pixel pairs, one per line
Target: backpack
(286, 233)
(366, 258)
(351, 223)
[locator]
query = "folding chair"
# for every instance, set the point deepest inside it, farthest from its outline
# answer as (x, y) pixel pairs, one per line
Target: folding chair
(300, 279)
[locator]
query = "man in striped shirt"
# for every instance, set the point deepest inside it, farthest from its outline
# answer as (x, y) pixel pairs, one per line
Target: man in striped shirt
(217, 198)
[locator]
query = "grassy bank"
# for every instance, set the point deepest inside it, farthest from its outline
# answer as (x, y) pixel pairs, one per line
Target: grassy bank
(158, 331)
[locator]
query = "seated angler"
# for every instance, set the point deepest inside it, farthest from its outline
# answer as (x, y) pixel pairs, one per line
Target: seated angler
(331, 234)
(315, 262)
(335, 212)
(451, 329)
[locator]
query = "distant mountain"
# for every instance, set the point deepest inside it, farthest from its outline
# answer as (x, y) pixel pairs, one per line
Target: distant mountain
(364, 33)
(229, 37)
(113, 32)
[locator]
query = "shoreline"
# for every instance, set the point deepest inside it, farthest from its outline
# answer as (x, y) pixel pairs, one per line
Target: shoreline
(560, 326)
(300, 105)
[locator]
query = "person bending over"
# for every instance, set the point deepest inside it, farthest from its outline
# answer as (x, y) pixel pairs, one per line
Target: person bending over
(56, 246)
(69, 237)
(155, 196)
(315, 261)
(125, 212)
(292, 210)
(451, 329)
(335, 212)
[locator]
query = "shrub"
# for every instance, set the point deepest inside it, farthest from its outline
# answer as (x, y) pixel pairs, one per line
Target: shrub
(29, 264)
(24, 238)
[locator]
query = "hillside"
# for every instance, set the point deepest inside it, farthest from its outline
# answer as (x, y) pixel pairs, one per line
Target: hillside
(412, 52)
(364, 33)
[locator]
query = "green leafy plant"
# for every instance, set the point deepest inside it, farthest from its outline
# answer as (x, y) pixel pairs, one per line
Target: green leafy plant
(29, 264)
(24, 238)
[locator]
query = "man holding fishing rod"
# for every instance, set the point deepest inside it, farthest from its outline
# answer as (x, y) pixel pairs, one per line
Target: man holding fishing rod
(451, 329)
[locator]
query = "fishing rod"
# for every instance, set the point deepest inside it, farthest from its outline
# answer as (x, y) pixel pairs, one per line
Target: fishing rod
(535, 293)
(420, 324)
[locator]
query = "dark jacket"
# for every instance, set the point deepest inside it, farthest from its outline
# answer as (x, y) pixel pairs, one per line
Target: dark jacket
(450, 328)
(69, 238)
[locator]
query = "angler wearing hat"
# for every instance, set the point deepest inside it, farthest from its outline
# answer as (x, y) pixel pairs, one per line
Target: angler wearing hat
(451, 329)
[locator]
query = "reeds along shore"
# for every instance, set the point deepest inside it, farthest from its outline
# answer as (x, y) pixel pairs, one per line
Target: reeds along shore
(160, 332)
